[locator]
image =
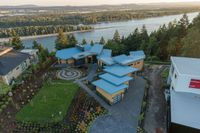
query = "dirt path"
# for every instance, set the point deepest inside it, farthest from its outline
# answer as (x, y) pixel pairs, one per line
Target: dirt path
(155, 117)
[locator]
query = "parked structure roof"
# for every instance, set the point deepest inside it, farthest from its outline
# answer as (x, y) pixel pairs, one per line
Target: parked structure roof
(187, 66)
(108, 87)
(67, 53)
(11, 60)
(119, 70)
(185, 108)
(115, 80)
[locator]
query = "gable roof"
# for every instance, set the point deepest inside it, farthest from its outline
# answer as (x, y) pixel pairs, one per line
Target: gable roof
(67, 53)
(87, 47)
(119, 70)
(187, 66)
(108, 87)
(123, 59)
(11, 60)
(96, 49)
(115, 80)
(106, 53)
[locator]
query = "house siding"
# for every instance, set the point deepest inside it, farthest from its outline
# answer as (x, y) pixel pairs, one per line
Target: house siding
(109, 97)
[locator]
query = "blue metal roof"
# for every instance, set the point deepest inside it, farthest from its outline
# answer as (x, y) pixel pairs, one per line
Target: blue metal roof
(67, 53)
(119, 70)
(108, 87)
(107, 60)
(123, 59)
(81, 55)
(87, 47)
(115, 80)
(96, 49)
(106, 53)
(139, 53)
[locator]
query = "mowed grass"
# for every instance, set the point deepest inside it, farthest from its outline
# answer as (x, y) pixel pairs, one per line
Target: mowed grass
(50, 104)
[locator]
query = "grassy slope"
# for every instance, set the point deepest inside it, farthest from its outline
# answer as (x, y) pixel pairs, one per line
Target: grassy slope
(46, 105)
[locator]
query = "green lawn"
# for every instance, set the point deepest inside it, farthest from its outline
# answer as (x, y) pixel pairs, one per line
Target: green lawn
(50, 104)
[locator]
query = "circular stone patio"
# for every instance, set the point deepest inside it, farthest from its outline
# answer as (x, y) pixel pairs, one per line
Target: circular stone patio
(69, 74)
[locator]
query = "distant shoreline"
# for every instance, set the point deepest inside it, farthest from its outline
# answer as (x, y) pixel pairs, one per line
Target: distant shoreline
(43, 36)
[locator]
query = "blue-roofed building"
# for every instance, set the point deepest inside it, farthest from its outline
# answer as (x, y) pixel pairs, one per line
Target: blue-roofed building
(119, 70)
(138, 58)
(66, 55)
(114, 83)
(105, 58)
(87, 47)
(115, 80)
(123, 59)
(110, 92)
(81, 54)
(96, 49)
(139, 53)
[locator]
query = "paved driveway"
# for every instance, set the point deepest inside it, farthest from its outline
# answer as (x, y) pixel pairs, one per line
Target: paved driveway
(123, 117)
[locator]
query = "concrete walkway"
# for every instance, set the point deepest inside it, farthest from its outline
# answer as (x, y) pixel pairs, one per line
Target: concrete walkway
(92, 72)
(123, 117)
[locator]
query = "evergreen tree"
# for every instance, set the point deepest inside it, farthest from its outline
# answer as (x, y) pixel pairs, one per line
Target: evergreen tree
(61, 41)
(16, 41)
(92, 43)
(116, 36)
(35, 44)
(102, 41)
(84, 41)
(72, 40)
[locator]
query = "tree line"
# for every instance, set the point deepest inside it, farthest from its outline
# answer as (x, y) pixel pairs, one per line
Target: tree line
(85, 18)
(40, 30)
(178, 38)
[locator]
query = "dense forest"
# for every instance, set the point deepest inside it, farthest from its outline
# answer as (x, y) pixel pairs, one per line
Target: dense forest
(178, 38)
(40, 30)
(86, 18)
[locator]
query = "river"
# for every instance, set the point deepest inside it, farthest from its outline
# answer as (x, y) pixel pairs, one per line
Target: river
(107, 29)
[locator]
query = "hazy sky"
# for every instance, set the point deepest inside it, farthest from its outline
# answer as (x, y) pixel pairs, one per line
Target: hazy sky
(81, 2)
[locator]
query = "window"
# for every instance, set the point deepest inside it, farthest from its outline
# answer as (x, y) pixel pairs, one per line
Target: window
(138, 62)
(175, 76)
(172, 88)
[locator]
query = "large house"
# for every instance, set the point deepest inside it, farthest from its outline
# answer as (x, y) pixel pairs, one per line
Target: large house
(118, 70)
(184, 101)
(12, 64)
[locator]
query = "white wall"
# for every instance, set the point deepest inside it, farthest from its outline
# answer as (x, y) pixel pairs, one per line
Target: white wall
(181, 82)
